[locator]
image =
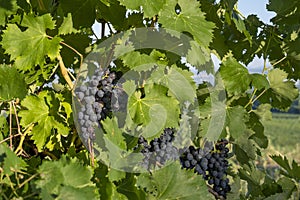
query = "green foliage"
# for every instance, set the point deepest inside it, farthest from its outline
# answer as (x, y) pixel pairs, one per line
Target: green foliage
(19, 44)
(43, 111)
(60, 178)
(167, 184)
(43, 43)
(15, 88)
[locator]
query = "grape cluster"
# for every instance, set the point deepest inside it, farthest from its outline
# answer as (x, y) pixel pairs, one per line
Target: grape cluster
(95, 97)
(159, 150)
(211, 164)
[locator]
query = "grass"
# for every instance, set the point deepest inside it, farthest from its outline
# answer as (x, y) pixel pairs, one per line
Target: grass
(284, 135)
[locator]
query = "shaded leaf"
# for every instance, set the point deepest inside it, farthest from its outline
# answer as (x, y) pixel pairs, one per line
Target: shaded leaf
(12, 83)
(190, 19)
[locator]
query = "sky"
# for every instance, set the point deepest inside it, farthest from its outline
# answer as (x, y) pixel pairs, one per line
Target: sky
(257, 7)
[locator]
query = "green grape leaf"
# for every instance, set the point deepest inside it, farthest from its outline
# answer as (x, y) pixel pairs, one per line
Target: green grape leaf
(42, 110)
(71, 193)
(190, 19)
(247, 146)
(281, 86)
(166, 183)
(11, 162)
(143, 62)
(179, 82)
(292, 171)
(139, 106)
(197, 55)
(66, 176)
(253, 177)
(107, 189)
(12, 83)
(129, 188)
(282, 8)
(184, 133)
(115, 175)
(7, 7)
(240, 26)
(259, 81)
(232, 73)
(4, 128)
(158, 118)
(236, 121)
(29, 48)
(150, 7)
(113, 13)
(113, 133)
(258, 128)
(67, 26)
(83, 12)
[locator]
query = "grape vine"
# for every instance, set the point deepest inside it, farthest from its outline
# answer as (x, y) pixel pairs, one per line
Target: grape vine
(133, 82)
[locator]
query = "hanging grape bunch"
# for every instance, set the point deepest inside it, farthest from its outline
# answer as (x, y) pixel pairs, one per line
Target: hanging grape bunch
(211, 163)
(96, 100)
(159, 150)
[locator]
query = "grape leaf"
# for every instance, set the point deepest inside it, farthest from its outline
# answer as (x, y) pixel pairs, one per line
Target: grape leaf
(150, 7)
(232, 73)
(197, 55)
(253, 177)
(139, 106)
(4, 129)
(259, 81)
(7, 8)
(29, 48)
(128, 187)
(64, 177)
(115, 175)
(113, 133)
(83, 12)
(11, 162)
(166, 183)
(43, 111)
(258, 128)
(71, 193)
(292, 171)
(281, 86)
(236, 121)
(67, 26)
(190, 19)
(143, 62)
(240, 25)
(178, 81)
(12, 83)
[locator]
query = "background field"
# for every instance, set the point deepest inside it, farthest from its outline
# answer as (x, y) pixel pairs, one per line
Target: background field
(284, 135)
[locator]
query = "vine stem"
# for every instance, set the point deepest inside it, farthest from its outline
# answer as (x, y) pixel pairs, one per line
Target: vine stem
(215, 194)
(70, 47)
(10, 126)
(4, 140)
(279, 61)
(27, 180)
(19, 149)
(260, 95)
(64, 72)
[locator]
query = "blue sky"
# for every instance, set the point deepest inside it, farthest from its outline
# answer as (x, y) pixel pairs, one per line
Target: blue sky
(257, 7)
